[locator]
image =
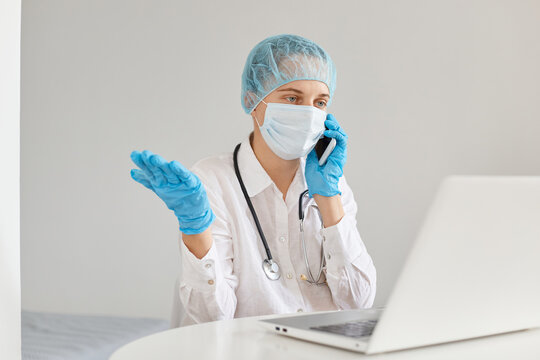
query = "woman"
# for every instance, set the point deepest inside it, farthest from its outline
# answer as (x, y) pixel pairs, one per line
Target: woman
(242, 249)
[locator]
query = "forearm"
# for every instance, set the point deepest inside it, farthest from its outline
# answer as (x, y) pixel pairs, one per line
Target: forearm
(350, 271)
(353, 285)
(331, 209)
(207, 284)
(198, 244)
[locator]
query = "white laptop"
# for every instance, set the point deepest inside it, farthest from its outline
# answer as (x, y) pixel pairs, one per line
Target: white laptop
(474, 270)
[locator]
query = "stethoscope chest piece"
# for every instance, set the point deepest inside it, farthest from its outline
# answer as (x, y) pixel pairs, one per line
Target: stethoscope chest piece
(271, 269)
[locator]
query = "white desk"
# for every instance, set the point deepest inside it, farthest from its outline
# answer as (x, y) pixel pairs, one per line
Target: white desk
(243, 338)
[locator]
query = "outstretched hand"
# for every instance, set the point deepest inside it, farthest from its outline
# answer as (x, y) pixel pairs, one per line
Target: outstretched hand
(179, 188)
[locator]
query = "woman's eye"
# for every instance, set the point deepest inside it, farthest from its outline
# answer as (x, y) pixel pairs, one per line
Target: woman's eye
(291, 97)
(322, 103)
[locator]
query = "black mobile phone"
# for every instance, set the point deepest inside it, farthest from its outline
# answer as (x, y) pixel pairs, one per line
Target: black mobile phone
(324, 147)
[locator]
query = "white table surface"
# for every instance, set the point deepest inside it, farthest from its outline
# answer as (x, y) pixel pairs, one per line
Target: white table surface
(244, 338)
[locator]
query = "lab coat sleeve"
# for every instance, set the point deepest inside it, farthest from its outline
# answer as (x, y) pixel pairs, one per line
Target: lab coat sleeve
(207, 286)
(350, 271)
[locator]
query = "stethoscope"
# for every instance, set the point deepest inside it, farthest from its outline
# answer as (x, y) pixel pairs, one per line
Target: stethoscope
(269, 265)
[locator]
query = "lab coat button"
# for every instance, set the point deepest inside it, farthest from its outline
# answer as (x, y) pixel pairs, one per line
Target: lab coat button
(208, 265)
(289, 276)
(328, 257)
(282, 239)
(299, 310)
(210, 282)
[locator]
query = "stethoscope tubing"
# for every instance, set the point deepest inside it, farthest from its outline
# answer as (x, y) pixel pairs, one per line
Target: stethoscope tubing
(301, 214)
(268, 263)
(250, 205)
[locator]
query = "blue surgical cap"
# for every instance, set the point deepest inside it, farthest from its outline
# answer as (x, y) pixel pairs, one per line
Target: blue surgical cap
(280, 59)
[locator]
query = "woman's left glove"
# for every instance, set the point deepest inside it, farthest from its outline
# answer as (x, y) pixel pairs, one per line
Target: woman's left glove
(324, 179)
(179, 188)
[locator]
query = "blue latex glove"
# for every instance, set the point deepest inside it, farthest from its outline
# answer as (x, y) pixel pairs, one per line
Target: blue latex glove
(179, 188)
(324, 179)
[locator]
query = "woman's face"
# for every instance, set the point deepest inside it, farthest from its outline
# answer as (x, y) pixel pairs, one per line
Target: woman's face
(299, 92)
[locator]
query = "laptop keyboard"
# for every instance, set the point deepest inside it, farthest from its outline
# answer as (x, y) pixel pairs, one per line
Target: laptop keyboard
(351, 329)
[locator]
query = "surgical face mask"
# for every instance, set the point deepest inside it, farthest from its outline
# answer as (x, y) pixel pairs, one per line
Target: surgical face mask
(291, 131)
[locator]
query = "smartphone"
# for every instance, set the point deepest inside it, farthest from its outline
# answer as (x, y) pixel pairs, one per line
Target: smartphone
(324, 148)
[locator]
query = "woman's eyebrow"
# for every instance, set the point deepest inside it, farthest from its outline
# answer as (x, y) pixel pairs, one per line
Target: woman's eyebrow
(291, 89)
(299, 92)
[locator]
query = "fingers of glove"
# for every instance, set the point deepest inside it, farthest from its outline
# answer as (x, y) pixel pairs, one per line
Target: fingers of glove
(136, 157)
(185, 176)
(158, 176)
(163, 165)
(339, 136)
(140, 177)
(331, 122)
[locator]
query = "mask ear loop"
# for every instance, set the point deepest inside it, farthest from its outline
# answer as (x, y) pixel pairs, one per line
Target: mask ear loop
(257, 120)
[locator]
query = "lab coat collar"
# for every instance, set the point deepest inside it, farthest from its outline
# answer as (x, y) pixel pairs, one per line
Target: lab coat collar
(256, 179)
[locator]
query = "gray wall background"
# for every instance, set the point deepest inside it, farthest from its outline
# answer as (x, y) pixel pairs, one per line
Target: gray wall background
(425, 89)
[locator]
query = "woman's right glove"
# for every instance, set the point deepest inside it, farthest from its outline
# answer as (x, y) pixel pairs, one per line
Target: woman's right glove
(324, 180)
(179, 188)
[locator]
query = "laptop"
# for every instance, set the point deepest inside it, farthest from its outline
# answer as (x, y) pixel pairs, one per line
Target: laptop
(473, 271)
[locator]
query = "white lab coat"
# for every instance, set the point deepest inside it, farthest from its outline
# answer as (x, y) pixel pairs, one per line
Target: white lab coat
(229, 281)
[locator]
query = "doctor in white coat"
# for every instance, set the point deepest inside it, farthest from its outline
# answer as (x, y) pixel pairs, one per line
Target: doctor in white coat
(244, 249)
